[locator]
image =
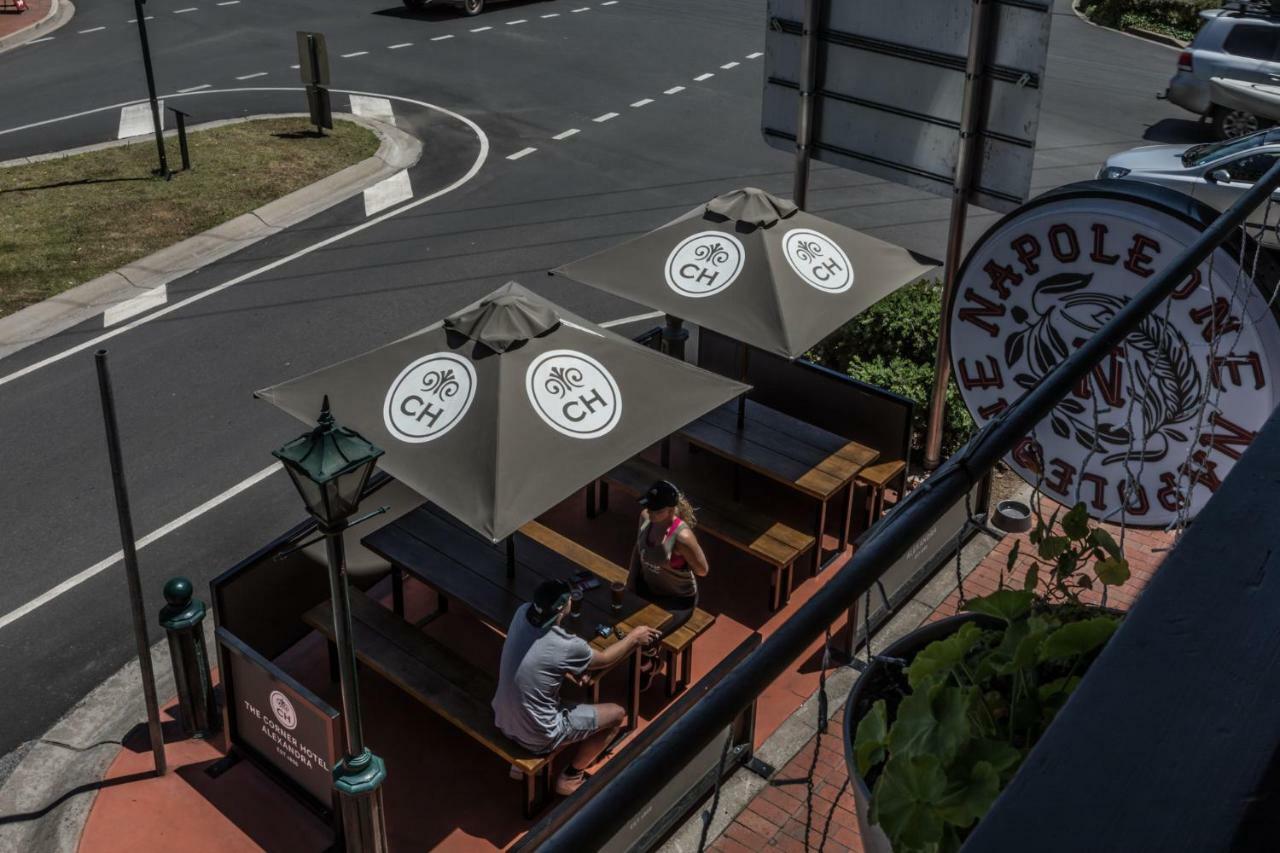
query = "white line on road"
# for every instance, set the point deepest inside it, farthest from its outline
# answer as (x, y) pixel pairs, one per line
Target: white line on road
(605, 117)
(517, 21)
(442, 38)
(622, 321)
(90, 30)
(186, 10)
(552, 15)
(295, 67)
(609, 3)
(194, 88)
(583, 9)
(135, 120)
(228, 3)
(357, 53)
(400, 45)
(135, 306)
(481, 29)
(37, 41)
(755, 55)
(674, 90)
(135, 20)
(702, 77)
(643, 103)
(388, 193)
(729, 65)
(279, 262)
(251, 76)
(376, 108)
(523, 152)
(566, 134)
(182, 520)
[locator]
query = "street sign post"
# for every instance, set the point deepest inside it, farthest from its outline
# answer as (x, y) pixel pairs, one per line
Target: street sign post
(313, 66)
(934, 94)
(141, 18)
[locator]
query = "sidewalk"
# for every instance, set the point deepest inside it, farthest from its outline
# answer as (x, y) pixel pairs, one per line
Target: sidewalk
(38, 12)
(782, 817)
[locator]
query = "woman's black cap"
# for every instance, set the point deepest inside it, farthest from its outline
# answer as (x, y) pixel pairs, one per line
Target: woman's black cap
(661, 495)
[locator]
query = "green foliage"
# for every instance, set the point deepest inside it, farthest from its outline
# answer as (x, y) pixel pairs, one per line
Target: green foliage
(976, 702)
(1178, 18)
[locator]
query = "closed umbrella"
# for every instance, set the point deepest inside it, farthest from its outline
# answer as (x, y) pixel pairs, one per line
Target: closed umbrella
(507, 407)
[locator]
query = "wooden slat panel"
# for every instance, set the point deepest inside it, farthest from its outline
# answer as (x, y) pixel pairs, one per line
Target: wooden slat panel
(607, 570)
(758, 413)
(825, 458)
(762, 460)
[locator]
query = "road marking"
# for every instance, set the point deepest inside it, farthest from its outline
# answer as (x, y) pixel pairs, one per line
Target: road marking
(566, 134)
(135, 306)
(376, 108)
(295, 67)
(755, 55)
(523, 152)
(481, 29)
(605, 117)
(400, 45)
(90, 30)
(674, 90)
(643, 103)
(702, 77)
(251, 76)
(194, 88)
(518, 21)
(583, 9)
(279, 262)
(160, 532)
(37, 41)
(357, 53)
(609, 3)
(228, 3)
(135, 120)
(135, 20)
(552, 15)
(729, 65)
(442, 38)
(387, 193)
(186, 10)
(622, 321)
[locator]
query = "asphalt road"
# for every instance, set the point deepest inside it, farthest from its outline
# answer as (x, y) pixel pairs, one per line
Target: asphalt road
(534, 70)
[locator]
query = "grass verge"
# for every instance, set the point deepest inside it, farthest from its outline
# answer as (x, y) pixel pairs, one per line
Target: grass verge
(69, 220)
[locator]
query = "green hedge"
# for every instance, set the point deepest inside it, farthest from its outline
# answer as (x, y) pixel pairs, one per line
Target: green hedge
(892, 345)
(1180, 18)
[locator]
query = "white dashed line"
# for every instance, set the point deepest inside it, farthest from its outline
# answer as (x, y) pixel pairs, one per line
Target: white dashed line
(481, 29)
(353, 55)
(583, 9)
(147, 18)
(122, 311)
(251, 76)
(193, 88)
(37, 41)
(566, 134)
(729, 65)
(228, 3)
(518, 21)
(400, 45)
(609, 3)
(643, 103)
(702, 77)
(552, 15)
(754, 55)
(295, 67)
(674, 90)
(604, 117)
(387, 193)
(90, 30)
(442, 38)
(523, 152)
(186, 10)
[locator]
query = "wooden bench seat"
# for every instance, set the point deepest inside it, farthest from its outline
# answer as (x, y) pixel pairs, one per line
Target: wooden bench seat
(438, 678)
(776, 544)
(876, 478)
(677, 647)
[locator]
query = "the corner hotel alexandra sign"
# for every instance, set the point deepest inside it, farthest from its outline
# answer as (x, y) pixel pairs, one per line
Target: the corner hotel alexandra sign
(1047, 277)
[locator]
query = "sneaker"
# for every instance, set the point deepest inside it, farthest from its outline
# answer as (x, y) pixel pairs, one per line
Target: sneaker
(566, 784)
(516, 773)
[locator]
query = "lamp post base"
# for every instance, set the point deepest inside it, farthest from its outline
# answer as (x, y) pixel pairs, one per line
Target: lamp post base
(358, 781)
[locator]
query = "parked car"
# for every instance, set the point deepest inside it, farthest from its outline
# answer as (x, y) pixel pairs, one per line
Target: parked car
(468, 7)
(1240, 44)
(1215, 173)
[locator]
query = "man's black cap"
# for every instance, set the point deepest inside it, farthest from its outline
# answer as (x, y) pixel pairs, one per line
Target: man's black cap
(548, 600)
(661, 495)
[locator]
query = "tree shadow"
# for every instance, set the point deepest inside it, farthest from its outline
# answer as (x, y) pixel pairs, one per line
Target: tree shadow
(79, 789)
(300, 134)
(79, 183)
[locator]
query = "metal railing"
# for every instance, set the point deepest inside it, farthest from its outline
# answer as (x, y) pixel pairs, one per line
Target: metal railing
(618, 802)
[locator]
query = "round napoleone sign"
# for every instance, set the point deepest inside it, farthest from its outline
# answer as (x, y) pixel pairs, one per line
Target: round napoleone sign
(1046, 278)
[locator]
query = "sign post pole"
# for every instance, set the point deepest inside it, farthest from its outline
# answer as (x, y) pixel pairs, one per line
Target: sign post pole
(151, 87)
(970, 124)
(804, 123)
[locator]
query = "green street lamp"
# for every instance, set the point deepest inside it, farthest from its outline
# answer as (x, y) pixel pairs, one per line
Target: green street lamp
(330, 467)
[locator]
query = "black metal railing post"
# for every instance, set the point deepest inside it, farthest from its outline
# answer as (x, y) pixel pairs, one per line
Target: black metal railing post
(616, 804)
(181, 118)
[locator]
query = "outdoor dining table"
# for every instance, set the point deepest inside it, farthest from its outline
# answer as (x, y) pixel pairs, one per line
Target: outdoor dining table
(803, 457)
(463, 567)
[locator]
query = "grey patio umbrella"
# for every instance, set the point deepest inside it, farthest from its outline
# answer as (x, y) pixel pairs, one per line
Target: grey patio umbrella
(505, 408)
(754, 267)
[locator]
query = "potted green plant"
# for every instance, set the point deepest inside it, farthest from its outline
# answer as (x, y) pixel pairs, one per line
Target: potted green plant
(941, 720)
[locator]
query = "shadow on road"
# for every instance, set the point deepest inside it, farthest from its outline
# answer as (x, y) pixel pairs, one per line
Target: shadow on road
(1179, 131)
(442, 10)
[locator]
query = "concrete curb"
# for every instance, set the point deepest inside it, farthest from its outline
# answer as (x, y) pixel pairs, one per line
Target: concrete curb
(56, 778)
(1132, 32)
(398, 150)
(60, 11)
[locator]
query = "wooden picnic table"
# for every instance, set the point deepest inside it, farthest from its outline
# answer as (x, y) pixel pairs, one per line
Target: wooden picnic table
(462, 566)
(800, 456)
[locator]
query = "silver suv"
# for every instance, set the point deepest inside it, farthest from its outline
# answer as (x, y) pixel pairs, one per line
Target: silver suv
(1240, 43)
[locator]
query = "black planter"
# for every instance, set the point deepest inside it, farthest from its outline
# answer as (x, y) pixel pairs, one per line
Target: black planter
(878, 682)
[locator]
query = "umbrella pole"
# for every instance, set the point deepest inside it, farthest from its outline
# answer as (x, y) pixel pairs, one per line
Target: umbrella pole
(742, 398)
(511, 556)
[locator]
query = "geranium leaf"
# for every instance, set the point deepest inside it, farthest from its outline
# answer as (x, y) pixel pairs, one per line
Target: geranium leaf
(1051, 547)
(1078, 638)
(1006, 604)
(1099, 536)
(872, 737)
(966, 800)
(940, 657)
(1112, 571)
(904, 803)
(932, 721)
(1076, 522)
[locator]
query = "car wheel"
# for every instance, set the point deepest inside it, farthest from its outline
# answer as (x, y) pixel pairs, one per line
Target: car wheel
(473, 7)
(1232, 124)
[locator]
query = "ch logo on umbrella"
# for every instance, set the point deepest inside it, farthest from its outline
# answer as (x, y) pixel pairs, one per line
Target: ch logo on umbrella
(573, 394)
(818, 260)
(429, 397)
(704, 264)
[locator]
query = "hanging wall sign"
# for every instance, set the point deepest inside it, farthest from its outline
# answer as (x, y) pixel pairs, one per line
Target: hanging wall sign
(1047, 277)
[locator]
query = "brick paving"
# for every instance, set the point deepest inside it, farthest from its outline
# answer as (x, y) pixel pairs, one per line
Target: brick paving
(776, 818)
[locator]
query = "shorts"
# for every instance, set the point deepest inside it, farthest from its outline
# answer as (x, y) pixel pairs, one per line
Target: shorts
(577, 723)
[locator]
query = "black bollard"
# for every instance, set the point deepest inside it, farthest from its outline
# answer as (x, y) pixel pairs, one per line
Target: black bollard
(182, 619)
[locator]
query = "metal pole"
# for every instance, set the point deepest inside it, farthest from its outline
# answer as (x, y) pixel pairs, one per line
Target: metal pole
(511, 556)
(615, 804)
(130, 562)
(970, 124)
(182, 139)
(804, 122)
(347, 683)
(151, 87)
(742, 398)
